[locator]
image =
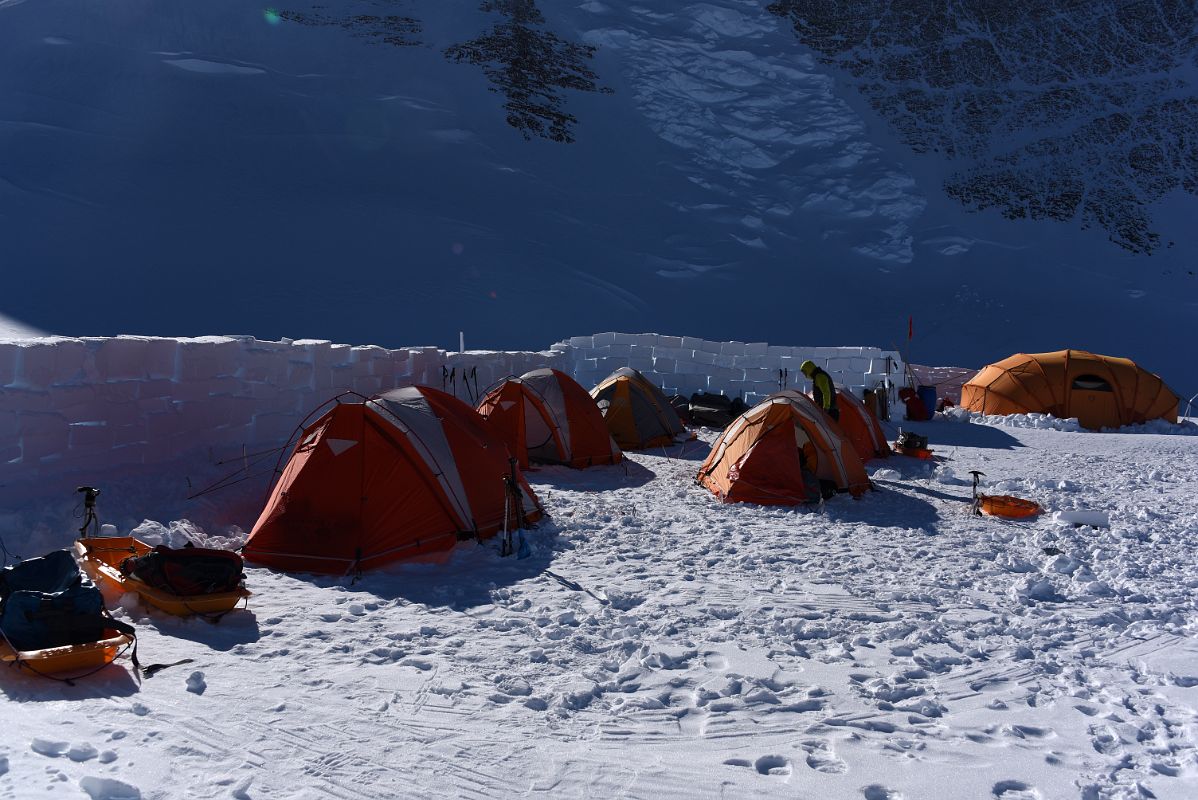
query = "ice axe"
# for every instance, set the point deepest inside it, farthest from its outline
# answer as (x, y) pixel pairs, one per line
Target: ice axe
(977, 476)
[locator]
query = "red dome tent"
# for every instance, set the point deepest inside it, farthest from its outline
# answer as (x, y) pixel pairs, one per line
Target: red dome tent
(861, 426)
(399, 476)
(545, 416)
(760, 457)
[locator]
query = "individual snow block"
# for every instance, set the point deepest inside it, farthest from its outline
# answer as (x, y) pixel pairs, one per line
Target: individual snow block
(149, 405)
(9, 353)
(761, 375)
(73, 401)
(641, 364)
(123, 392)
(724, 360)
(274, 426)
(614, 351)
(123, 435)
(672, 352)
(161, 358)
(16, 399)
(42, 435)
(9, 427)
(95, 435)
(605, 366)
(35, 368)
(703, 357)
(604, 339)
(264, 363)
(318, 354)
(732, 348)
(669, 341)
(792, 363)
(360, 358)
(69, 358)
(859, 364)
(300, 375)
(756, 349)
(581, 342)
(756, 362)
(692, 343)
(663, 365)
(207, 357)
(340, 354)
(121, 358)
(625, 338)
(341, 378)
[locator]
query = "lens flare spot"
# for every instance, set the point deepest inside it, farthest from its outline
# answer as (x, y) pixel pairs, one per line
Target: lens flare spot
(493, 295)
(271, 16)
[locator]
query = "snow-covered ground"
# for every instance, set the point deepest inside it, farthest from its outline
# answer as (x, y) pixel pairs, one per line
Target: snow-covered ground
(661, 644)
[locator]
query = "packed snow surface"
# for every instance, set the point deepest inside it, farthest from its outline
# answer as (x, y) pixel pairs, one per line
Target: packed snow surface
(660, 644)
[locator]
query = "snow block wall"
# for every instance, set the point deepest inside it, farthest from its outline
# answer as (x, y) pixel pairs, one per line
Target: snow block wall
(98, 403)
(685, 365)
(88, 404)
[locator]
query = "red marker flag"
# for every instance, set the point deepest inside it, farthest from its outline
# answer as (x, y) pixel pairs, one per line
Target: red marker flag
(910, 328)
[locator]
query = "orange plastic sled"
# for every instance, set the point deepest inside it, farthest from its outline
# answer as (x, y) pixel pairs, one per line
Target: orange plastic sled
(101, 559)
(914, 452)
(69, 658)
(1004, 505)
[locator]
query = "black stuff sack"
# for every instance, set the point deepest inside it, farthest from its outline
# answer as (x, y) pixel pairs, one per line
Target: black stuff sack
(187, 571)
(715, 410)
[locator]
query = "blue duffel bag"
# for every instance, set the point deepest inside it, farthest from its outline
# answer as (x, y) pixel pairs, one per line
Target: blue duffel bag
(47, 602)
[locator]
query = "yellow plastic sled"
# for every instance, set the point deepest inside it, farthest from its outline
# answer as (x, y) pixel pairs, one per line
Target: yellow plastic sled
(69, 658)
(101, 559)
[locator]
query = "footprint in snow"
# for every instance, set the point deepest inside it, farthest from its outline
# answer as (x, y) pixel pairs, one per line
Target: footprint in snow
(715, 661)
(1015, 790)
(773, 765)
(821, 758)
(877, 791)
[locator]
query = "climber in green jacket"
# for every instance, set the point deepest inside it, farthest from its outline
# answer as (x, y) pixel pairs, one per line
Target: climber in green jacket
(822, 389)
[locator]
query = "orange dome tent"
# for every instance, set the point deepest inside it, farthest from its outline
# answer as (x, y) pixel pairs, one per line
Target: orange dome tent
(637, 414)
(545, 416)
(861, 426)
(399, 476)
(756, 459)
(1100, 391)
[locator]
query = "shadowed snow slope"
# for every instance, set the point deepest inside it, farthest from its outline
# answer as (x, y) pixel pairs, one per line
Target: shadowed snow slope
(393, 171)
(661, 644)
